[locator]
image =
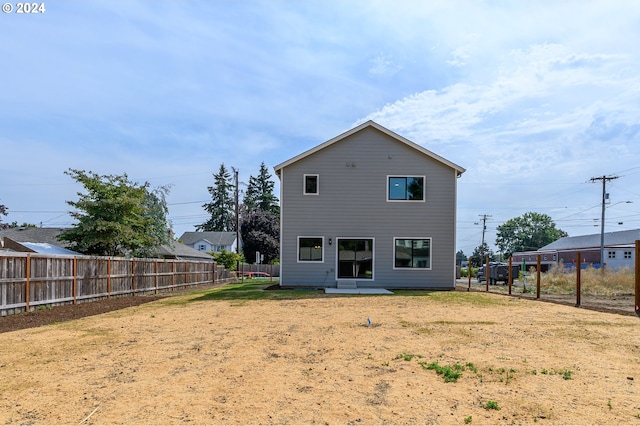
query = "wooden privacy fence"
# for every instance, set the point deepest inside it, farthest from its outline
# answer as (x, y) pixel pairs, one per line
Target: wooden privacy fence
(29, 280)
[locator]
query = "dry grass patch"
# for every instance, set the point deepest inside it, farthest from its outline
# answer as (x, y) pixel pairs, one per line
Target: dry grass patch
(594, 282)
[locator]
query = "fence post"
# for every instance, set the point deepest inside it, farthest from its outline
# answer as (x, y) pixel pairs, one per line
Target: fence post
(637, 278)
(75, 279)
(510, 276)
(156, 276)
(133, 277)
(109, 278)
(27, 284)
(578, 284)
(538, 279)
(486, 272)
(469, 274)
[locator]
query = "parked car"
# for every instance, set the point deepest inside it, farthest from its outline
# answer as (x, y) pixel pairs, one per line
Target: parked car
(250, 275)
(481, 276)
(498, 272)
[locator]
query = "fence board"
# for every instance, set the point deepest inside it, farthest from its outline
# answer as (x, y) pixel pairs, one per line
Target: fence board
(54, 280)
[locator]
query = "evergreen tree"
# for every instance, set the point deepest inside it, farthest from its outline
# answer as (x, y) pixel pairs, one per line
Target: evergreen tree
(480, 253)
(222, 205)
(259, 195)
(260, 228)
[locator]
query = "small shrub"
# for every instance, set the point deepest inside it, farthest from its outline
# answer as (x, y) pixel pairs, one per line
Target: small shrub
(408, 357)
(491, 405)
(451, 373)
(468, 420)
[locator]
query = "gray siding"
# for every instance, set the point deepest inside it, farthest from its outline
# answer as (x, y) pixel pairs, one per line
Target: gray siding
(352, 202)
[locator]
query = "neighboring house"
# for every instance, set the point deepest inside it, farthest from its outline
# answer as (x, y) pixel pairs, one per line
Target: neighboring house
(619, 251)
(176, 250)
(34, 240)
(370, 209)
(210, 241)
(45, 241)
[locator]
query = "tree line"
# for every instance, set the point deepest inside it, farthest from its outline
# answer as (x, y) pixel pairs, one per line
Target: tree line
(117, 217)
(256, 218)
(528, 232)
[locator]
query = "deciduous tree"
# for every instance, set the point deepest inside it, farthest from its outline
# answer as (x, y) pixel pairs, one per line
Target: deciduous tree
(527, 232)
(3, 212)
(116, 217)
(260, 232)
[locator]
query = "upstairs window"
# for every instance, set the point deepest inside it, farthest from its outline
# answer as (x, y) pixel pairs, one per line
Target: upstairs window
(311, 184)
(405, 188)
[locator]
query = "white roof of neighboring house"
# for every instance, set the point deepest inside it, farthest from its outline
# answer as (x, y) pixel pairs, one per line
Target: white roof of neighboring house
(380, 128)
(46, 248)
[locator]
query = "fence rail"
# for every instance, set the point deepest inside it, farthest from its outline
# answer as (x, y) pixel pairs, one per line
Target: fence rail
(600, 302)
(29, 280)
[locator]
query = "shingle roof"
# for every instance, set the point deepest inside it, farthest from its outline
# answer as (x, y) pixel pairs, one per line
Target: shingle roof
(45, 240)
(181, 251)
(589, 241)
(35, 235)
(214, 238)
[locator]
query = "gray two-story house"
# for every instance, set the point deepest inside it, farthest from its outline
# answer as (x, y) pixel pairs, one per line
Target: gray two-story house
(368, 208)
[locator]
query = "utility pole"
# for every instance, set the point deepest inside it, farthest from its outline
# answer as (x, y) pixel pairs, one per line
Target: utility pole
(484, 228)
(604, 180)
(237, 196)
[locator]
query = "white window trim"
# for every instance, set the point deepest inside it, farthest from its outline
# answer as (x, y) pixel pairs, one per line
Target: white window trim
(424, 189)
(393, 251)
(304, 184)
(298, 249)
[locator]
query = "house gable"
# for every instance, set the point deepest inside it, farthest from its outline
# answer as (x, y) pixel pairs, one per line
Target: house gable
(209, 241)
(374, 125)
(352, 207)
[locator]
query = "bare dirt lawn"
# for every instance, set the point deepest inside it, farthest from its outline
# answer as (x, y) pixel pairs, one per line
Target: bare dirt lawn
(316, 359)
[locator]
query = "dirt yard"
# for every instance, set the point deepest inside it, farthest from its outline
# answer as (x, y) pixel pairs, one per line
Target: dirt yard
(187, 359)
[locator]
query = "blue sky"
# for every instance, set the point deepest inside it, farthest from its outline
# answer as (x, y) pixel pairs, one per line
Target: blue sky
(532, 98)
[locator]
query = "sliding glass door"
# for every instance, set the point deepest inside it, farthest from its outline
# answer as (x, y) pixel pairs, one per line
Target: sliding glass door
(355, 258)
